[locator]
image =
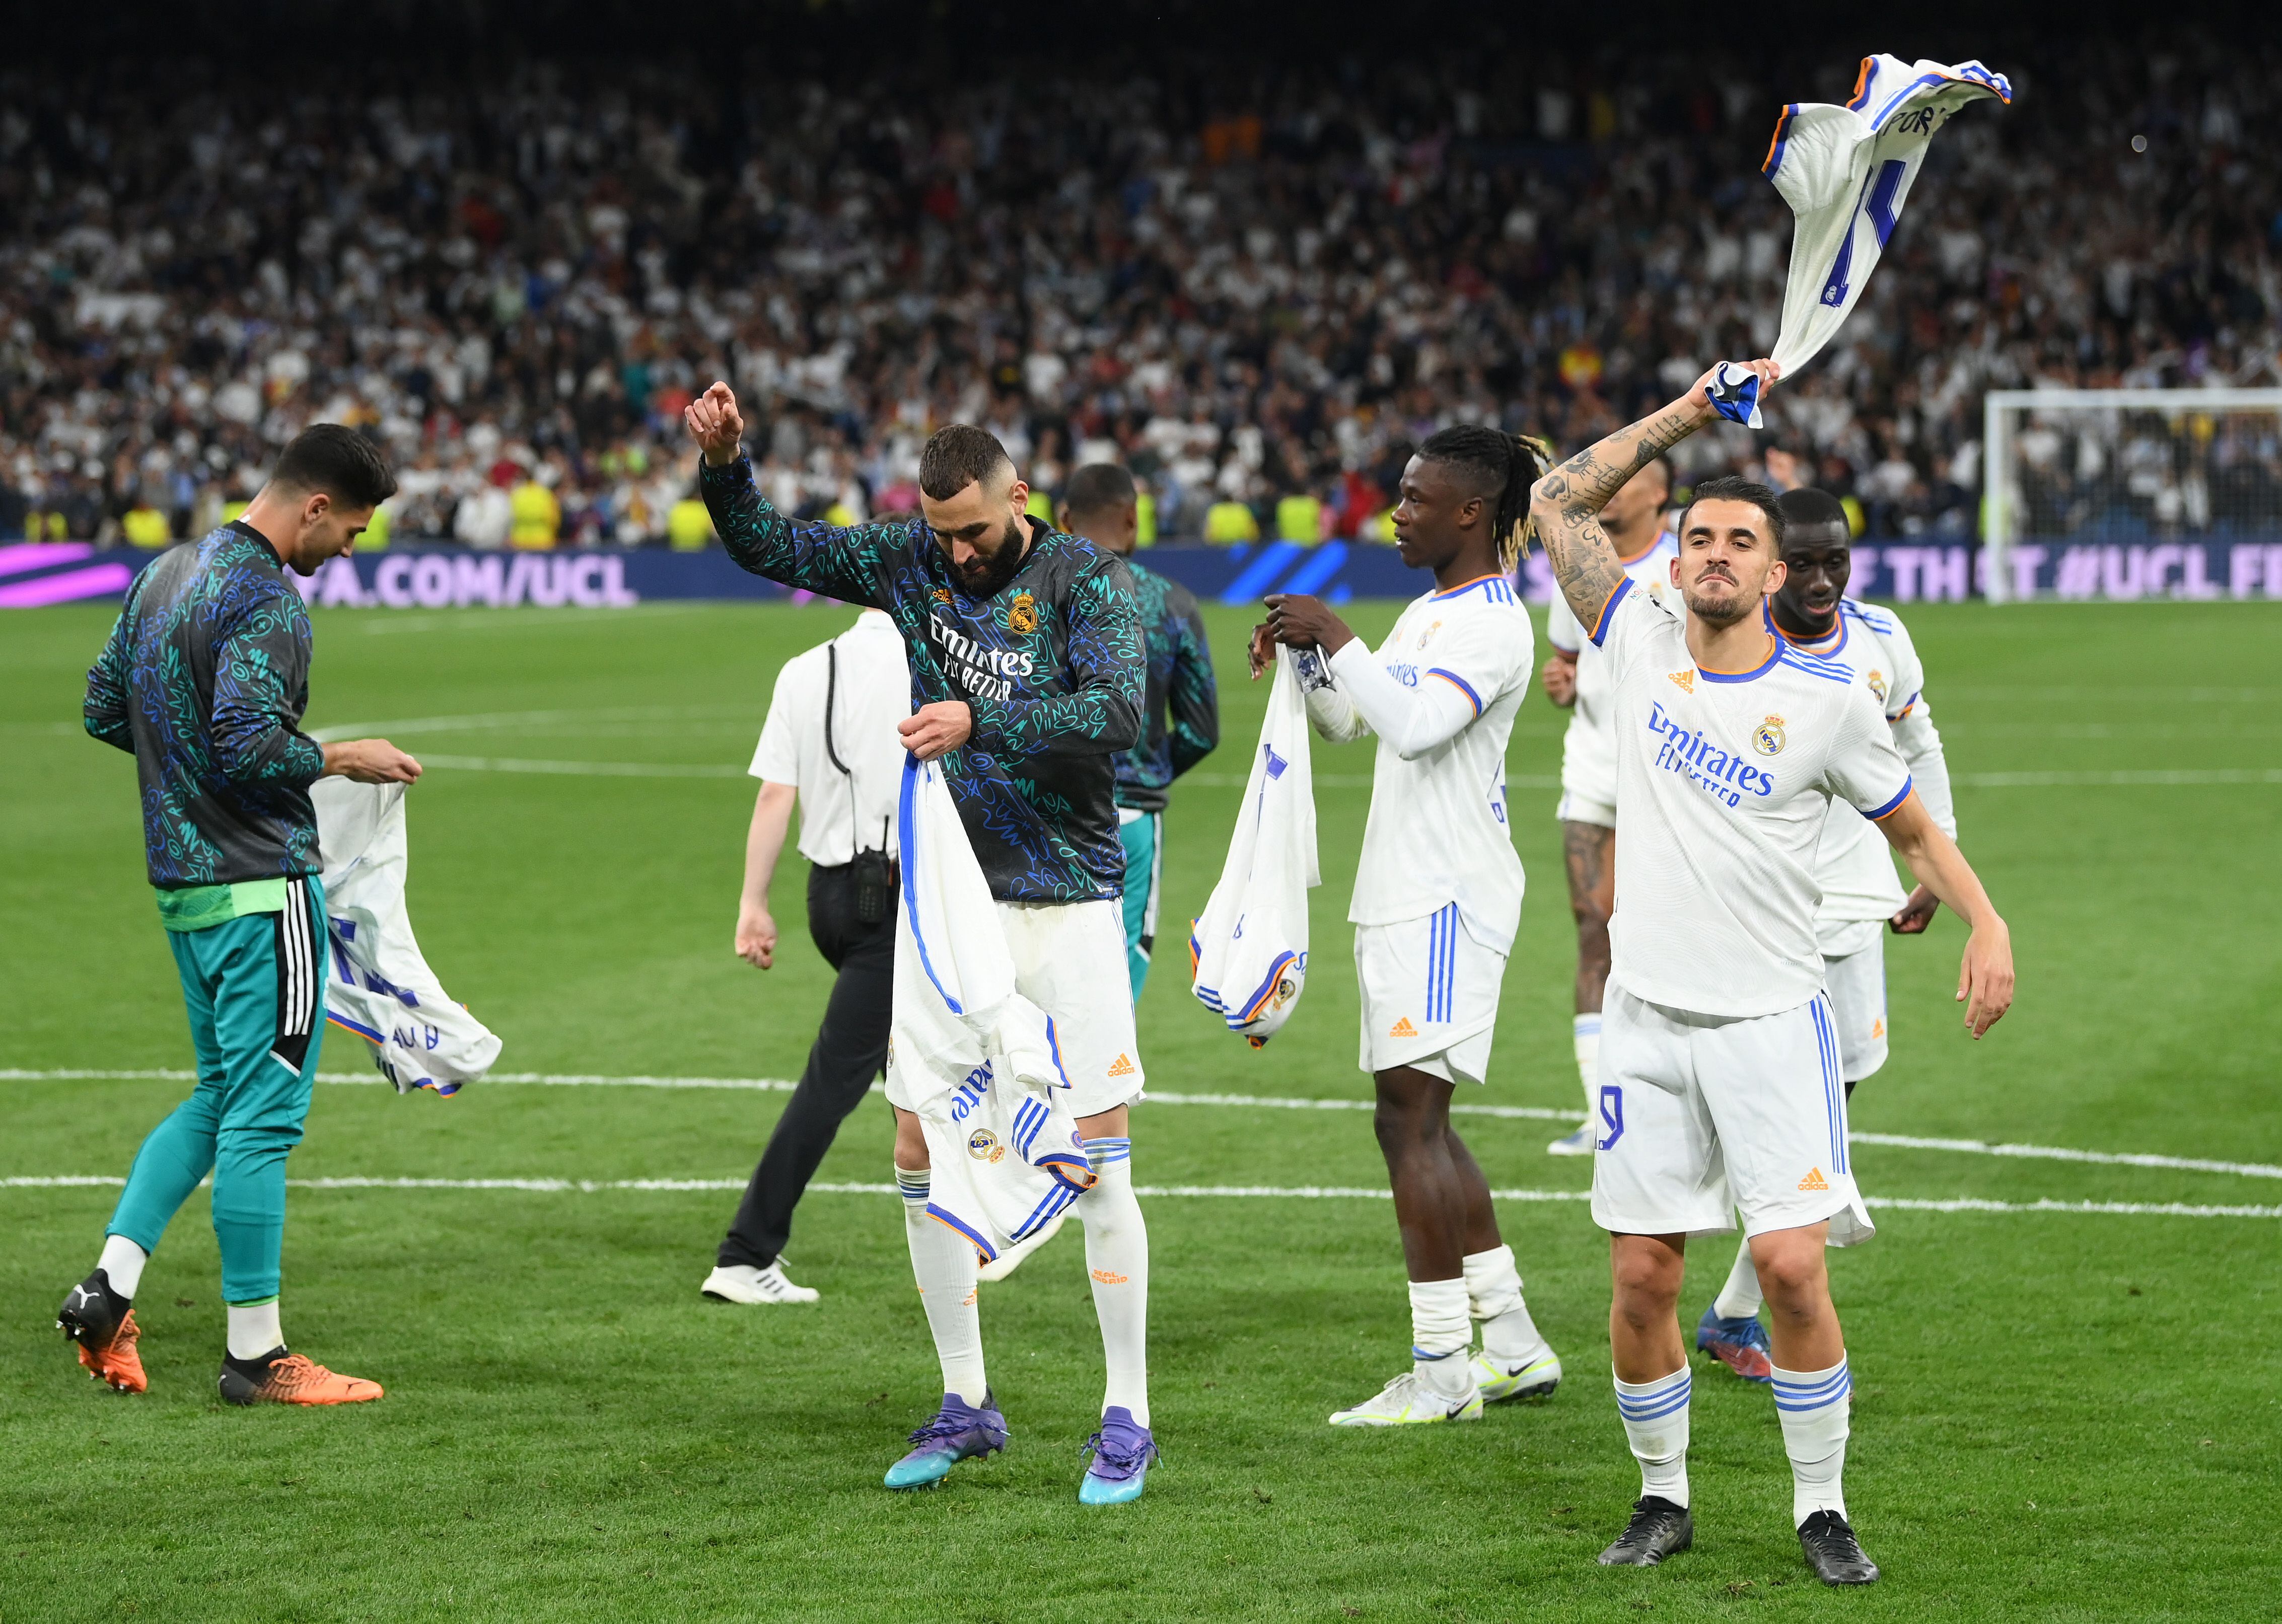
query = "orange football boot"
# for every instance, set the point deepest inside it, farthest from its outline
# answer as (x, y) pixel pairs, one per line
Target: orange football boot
(99, 1321)
(292, 1379)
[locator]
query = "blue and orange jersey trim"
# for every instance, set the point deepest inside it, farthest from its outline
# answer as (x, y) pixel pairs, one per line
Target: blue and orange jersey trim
(1773, 159)
(1497, 589)
(1893, 805)
(1259, 998)
(1461, 685)
(1599, 628)
(1861, 93)
(1813, 646)
(983, 1249)
(1775, 656)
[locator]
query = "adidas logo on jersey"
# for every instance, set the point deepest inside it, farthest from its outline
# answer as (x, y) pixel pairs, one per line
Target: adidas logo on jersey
(1122, 1066)
(1685, 681)
(1402, 1029)
(1814, 1181)
(1878, 1027)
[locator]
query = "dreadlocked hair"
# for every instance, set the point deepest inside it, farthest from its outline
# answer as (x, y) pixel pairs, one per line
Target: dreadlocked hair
(1503, 466)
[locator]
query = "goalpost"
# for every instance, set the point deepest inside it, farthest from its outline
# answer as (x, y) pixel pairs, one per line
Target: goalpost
(2132, 493)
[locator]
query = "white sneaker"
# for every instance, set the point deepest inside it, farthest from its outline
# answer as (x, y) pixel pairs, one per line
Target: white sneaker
(741, 1283)
(1580, 1143)
(999, 1268)
(1409, 1401)
(1531, 1376)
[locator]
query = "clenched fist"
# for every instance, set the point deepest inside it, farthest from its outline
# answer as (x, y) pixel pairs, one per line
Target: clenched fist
(716, 424)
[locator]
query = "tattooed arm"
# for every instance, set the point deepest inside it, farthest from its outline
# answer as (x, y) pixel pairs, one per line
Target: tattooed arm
(1566, 504)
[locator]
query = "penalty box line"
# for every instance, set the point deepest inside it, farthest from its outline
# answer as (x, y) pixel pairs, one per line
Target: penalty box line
(1304, 1192)
(1159, 1096)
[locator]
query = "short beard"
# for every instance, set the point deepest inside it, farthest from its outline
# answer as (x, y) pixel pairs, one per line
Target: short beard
(999, 567)
(1720, 613)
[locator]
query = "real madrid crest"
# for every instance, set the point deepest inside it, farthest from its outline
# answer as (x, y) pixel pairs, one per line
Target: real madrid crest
(983, 1146)
(1768, 738)
(1878, 685)
(1022, 613)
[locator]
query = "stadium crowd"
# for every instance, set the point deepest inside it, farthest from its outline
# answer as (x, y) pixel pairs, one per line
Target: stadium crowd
(1255, 288)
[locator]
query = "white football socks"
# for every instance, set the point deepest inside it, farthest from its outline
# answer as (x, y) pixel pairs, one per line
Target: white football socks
(1656, 1425)
(1815, 1406)
(1117, 1261)
(1740, 1297)
(253, 1329)
(121, 1264)
(1439, 1334)
(1493, 1296)
(1588, 1066)
(943, 1264)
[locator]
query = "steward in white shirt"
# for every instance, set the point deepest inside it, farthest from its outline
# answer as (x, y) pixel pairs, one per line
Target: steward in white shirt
(830, 743)
(1720, 1084)
(1438, 897)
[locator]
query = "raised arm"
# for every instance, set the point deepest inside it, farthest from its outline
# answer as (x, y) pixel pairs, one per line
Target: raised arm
(1566, 504)
(1103, 713)
(1984, 980)
(840, 561)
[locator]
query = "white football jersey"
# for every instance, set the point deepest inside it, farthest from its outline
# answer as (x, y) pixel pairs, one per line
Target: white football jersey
(1438, 832)
(1725, 780)
(1588, 753)
(1854, 865)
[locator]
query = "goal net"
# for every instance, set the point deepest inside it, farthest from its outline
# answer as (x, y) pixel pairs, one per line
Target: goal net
(2133, 493)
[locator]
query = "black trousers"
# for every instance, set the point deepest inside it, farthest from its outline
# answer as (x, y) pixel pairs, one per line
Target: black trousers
(850, 1049)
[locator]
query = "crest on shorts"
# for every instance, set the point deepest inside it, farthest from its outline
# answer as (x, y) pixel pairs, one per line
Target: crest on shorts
(1878, 685)
(983, 1146)
(1768, 738)
(1022, 613)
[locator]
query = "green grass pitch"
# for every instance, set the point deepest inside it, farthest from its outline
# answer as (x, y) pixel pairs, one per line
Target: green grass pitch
(2058, 1415)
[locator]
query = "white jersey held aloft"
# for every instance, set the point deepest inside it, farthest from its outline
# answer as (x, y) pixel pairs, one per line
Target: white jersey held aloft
(380, 987)
(1846, 172)
(1249, 950)
(1440, 694)
(977, 1062)
(1724, 779)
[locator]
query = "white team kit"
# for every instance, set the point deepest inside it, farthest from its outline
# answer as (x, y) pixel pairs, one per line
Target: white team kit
(1439, 890)
(1720, 1084)
(1588, 750)
(1854, 866)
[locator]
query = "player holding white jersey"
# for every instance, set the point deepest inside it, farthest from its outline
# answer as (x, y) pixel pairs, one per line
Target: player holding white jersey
(1438, 898)
(1719, 1063)
(1861, 896)
(1576, 679)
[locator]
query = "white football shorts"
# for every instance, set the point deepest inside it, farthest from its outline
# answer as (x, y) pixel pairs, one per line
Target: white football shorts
(1855, 981)
(1430, 997)
(1701, 1115)
(1588, 778)
(1069, 960)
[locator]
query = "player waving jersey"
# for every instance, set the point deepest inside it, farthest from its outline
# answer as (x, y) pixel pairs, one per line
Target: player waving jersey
(1720, 1065)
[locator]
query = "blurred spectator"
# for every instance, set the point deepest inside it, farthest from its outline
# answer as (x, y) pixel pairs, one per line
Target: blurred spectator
(688, 526)
(535, 518)
(1227, 522)
(145, 526)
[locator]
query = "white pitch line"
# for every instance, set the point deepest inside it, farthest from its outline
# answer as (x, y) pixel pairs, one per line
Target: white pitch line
(1296, 1192)
(1270, 1102)
(2154, 776)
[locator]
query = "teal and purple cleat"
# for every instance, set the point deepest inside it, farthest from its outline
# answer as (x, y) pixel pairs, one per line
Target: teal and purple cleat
(1122, 1450)
(958, 1431)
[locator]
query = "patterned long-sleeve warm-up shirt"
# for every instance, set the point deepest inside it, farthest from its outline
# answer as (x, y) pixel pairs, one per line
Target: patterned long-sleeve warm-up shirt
(1050, 665)
(1180, 719)
(203, 681)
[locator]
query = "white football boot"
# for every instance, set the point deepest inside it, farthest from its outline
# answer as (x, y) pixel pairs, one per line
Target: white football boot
(1409, 1400)
(1535, 1375)
(740, 1282)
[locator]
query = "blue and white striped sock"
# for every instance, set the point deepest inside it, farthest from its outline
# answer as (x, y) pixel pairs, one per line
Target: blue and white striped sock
(1816, 1408)
(942, 1267)
(913, 1185)
(1655, 1414)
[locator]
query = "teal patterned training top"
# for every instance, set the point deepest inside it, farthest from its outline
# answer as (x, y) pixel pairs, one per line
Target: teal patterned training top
(203, 681)
(1050, 665)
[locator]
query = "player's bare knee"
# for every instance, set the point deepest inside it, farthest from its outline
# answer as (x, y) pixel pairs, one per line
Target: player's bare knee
(1645, 1282)
(1793, 1277)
